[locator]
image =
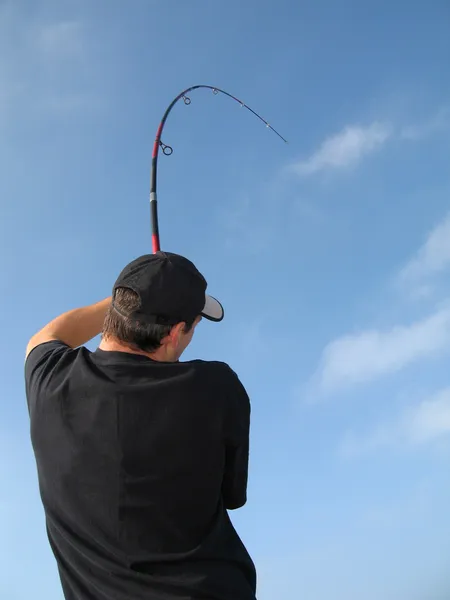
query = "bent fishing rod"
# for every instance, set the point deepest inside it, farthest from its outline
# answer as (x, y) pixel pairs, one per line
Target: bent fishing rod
(167, 150)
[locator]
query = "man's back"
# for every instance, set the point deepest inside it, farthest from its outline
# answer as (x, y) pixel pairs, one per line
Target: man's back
(138, 461)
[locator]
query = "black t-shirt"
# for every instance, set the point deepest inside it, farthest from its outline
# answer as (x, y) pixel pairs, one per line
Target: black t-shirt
(138, 462)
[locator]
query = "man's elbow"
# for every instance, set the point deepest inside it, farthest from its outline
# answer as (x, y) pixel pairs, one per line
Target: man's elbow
(40, 338)
(233, 503)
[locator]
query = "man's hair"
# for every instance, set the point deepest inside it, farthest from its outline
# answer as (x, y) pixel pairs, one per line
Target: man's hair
(136, 335)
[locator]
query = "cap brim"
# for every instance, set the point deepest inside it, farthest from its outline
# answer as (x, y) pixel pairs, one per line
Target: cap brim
(213, 310)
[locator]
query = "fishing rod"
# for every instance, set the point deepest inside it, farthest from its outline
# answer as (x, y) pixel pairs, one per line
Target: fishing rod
(168, 150)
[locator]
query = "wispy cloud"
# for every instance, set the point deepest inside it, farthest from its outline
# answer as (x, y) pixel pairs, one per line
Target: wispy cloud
(45, 65)
(434, 255)
(370, 354)
(429, 420)
(63, 57)
(61, 40)
(345, 149)
(423, 423)
(9, 91)
(435, 124)
(348, 147)
(366, 355)
(246, 229)
(72, 102)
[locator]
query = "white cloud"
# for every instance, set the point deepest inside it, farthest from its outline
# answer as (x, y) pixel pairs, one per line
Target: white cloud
(426, 422)
(61, 40)
(364, 356)
(429, 420)
(433, 257)
(354, 142)
(345, 149)
(45, 66)
(437, 123)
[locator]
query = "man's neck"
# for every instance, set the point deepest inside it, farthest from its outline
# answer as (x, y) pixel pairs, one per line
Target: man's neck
(112, 345)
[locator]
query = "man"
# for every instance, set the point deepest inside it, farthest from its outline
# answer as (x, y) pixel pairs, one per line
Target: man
(139, 455)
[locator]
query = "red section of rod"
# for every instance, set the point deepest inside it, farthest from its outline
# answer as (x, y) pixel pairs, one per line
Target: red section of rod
(157, 140)
(155, 244)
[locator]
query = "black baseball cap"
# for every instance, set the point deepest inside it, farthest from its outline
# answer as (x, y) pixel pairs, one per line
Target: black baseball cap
(170, 288)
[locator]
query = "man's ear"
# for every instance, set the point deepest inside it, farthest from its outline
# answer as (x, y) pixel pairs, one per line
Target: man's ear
(175, 334)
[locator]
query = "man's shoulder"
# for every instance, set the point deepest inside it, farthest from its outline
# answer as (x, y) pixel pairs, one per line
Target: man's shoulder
(221, 372)
(46, 368)
(50, 351)
(213, 366)
(52, 360)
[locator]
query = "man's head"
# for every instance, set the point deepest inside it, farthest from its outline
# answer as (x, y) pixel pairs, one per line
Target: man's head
(157, 301)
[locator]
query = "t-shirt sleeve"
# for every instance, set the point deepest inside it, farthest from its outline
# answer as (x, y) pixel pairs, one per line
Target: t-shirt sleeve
(234, 486)
(41, 366)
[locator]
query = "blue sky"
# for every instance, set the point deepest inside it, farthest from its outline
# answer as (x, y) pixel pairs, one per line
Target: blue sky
(331, 255)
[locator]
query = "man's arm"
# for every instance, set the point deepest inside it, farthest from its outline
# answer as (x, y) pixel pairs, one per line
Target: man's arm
(234, 485)
(74, 328)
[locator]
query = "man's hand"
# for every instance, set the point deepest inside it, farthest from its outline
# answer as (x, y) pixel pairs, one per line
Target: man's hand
(73, 328)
